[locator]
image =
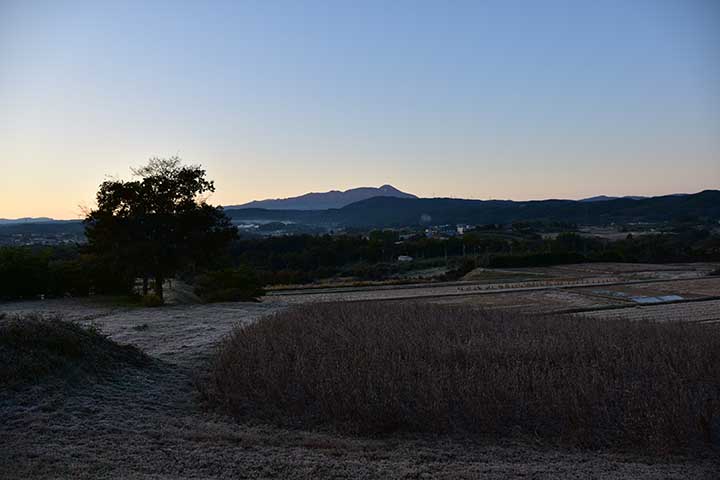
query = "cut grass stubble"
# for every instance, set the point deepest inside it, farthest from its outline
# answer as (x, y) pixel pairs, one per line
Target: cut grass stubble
(380, 368)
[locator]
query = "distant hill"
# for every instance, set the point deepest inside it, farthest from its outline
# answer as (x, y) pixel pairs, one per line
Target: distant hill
(13, 221)
(43, 227)
(393, 212)
(604, 198)
(388, 211)
(325, 200)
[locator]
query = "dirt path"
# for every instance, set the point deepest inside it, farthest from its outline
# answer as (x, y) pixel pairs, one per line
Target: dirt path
(147, 424)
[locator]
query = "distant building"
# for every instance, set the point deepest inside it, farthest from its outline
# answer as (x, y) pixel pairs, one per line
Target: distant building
(462, 228)
(441, 231)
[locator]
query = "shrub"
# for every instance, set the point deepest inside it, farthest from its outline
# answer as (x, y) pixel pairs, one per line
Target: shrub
(23, 272)
(535, 260)
(229, 285)
(69, 277)
(466, 266)
(374, 368)
(151, 300)
(375, 271)
(34, 347)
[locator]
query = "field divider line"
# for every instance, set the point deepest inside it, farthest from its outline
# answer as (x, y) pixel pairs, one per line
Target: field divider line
(629, 307)
(484, 291)
(368, 288)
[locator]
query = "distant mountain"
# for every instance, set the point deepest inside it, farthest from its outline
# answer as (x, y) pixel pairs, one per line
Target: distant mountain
(48, 227)
(12, 221)
(605, 198)
(397, 212)
(325, 200)
(389, 211)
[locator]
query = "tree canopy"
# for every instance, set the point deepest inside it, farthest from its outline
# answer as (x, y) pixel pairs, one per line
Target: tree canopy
(159, 222)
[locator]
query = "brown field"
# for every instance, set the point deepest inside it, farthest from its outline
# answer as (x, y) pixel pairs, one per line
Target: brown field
(542, 290)
(538, 301)
(707, 311)
(150, 424)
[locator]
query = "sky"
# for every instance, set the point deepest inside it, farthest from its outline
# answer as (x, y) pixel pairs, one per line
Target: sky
(475, 99)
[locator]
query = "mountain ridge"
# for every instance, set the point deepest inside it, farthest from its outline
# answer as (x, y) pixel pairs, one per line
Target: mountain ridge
(388, 211)
(396, 212)
(324, 200)
(13, 221)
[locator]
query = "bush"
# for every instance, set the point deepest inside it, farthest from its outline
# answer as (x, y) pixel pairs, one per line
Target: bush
(376, 271)
(231, 285)
(535, 260)
(374, 368)
(23, 272)
(466, 266)
(34, 347)
(69, 277)
(151, 300)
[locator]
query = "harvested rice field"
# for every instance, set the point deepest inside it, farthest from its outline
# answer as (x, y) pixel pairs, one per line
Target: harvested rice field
(151, 423)
(566, 288)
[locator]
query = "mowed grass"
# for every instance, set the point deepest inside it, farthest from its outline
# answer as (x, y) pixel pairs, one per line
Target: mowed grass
(380, 368)
(34, 348)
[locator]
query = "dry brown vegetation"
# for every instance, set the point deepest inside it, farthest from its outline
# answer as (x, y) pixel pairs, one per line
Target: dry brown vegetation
(145, 423)
(379, 368)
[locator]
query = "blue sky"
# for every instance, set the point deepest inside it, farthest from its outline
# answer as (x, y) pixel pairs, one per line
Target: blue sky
(476, 99)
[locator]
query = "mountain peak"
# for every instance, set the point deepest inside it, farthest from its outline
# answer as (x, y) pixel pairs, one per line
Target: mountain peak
(389, 188)
(326, 200)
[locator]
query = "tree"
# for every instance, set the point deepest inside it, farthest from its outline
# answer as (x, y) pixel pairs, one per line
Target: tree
(155, 225)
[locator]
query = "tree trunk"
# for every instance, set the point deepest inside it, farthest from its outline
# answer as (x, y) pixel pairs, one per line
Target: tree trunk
(145, 285)
(159, 286)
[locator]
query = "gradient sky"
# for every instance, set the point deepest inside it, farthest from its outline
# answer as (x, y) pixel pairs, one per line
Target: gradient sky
(476, 99)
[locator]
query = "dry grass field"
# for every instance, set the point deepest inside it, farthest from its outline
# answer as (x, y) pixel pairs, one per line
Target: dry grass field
(150, 422)
(386, 368)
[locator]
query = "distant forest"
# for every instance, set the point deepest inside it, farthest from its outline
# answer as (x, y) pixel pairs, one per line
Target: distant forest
(26, 272)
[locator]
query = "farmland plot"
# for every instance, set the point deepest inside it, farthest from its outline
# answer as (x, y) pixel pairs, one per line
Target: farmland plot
(702, 312)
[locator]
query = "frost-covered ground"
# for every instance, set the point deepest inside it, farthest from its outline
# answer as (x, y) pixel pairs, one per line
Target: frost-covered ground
(150, 424)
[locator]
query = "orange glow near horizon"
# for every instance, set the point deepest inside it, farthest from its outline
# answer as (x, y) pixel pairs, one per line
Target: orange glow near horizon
(275, 99)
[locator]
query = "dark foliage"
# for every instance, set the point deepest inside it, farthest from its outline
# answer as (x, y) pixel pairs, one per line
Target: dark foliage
(297, 259)
(156, 225)
(535, 260)
(229, 285)
(23, 272)
(304, 258)
(26, 272)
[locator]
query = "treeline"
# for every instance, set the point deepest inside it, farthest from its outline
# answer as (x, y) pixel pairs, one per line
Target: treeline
(304, 258)
(692, 245)
(27, 272)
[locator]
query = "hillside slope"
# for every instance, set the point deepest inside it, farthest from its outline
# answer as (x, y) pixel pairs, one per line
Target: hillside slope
(389, 211)
(325, 200)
